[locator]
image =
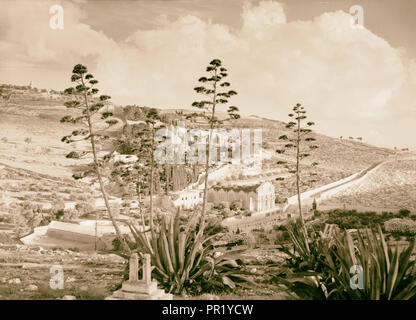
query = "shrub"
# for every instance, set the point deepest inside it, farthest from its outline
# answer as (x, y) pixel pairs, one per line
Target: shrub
(282, 236)
(214, 229)
(280, 227)
(60, 213)
(351, 219)
(116, 244)
(401, 226)
(404, 213)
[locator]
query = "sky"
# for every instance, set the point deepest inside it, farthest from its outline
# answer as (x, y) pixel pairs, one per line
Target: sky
(358, 82)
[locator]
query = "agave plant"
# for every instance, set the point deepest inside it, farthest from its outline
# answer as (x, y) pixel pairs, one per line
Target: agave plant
(302, 257)
(305, 271)
(387, 272)
(184, 260)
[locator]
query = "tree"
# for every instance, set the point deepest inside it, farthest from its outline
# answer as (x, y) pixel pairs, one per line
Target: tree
(297, 141)
(85, 100)
(214, 87)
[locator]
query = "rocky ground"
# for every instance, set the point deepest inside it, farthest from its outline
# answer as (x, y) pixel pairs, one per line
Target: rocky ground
(25, 273)
(390, 187)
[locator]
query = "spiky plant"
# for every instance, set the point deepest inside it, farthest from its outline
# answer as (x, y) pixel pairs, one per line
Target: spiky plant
(388, 273)
(185, 261)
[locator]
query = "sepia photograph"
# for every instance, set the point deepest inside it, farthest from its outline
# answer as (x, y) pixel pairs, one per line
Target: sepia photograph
(208, 154)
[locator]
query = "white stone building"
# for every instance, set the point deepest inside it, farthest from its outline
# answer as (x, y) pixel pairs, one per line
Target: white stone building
(265, 196)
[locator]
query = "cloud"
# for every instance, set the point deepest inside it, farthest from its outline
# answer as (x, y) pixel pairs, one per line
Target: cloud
(262, 18)
(30, 42)
(351, 81)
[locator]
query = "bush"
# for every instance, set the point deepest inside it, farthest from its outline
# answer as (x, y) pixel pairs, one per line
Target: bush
(116, 244)
(404, 213)
(400, 226)
(351, 219)
(282, 237)
(215, 229)
(60, 213)
(280, 227)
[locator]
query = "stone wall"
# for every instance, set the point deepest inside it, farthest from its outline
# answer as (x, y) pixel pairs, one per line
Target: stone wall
(221, 195)
(255, 222)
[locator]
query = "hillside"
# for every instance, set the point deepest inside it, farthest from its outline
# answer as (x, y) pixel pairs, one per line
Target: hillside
(30, 134)
(336, 158)
(388, 188)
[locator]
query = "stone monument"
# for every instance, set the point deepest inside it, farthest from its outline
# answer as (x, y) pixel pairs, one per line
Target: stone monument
(144, 289)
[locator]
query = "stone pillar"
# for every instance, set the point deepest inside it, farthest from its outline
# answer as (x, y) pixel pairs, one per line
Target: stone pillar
(147, 269)
(134, 267)
(144, 289)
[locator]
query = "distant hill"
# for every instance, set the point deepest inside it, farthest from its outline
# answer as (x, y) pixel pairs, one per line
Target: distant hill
(35, 113)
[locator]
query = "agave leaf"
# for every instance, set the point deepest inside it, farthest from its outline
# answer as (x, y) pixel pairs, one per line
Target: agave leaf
(171, 243)
(196, 246)
(392, 275)
(231, 255)
(385, 250)
(166, 252)
(229, 262)
(181, 251)
(140, 239)
(227, 281)
(157, 254)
